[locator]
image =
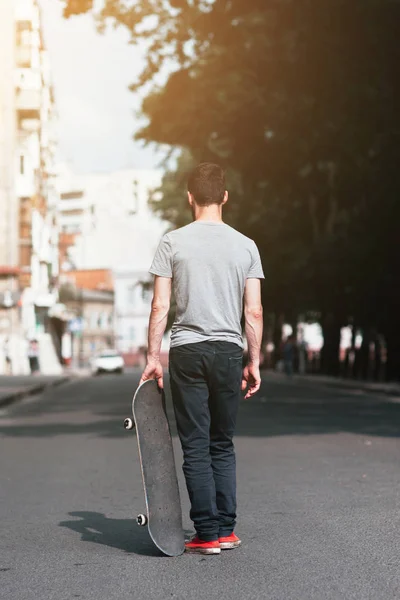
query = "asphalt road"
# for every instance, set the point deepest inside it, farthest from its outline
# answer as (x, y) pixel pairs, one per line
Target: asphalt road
(318, 492)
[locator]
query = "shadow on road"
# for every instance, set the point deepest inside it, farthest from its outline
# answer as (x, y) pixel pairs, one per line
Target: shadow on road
(97, 408)
(123, 534)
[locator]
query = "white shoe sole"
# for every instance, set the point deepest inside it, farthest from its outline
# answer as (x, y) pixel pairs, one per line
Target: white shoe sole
(229, 545)
(203, 550)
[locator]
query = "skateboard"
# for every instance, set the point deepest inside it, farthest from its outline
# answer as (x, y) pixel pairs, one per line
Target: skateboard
(156, 456)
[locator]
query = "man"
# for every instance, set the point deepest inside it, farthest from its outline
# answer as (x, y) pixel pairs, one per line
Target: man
(7, 356)
(213, 270)
(289, 348)
(33, 356)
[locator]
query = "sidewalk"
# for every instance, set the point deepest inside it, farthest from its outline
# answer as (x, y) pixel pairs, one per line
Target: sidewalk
(15, 387)
(388, 389)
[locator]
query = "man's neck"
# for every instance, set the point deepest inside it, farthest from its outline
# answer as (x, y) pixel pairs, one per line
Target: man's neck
(211, 213)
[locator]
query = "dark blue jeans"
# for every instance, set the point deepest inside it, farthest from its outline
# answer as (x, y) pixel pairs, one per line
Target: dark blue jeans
(205, 384)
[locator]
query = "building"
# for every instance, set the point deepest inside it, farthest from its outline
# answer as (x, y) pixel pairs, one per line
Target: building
(106, 223)
(87, 298)
(28, 193)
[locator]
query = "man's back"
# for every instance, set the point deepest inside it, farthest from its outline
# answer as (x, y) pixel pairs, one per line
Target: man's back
(209, 263)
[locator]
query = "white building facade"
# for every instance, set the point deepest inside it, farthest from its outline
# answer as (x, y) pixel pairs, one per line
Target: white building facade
(132, 309)
(110, 224)
(28, 193)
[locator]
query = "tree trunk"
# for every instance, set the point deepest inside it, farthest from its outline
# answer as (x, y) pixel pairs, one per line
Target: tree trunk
(393, 355)
(364, 355)
(277, 337)
(330, 362)
(377, 375)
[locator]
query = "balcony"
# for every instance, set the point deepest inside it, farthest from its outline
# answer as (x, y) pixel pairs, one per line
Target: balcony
(27, 79)
(67, 239)
(23, 57)
(27, 14)
(25, 186)
(28, 125)
(65, 208)
(24, 279)
(28, 103)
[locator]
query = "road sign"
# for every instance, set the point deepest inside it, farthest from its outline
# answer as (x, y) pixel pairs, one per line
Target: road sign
(75, 325)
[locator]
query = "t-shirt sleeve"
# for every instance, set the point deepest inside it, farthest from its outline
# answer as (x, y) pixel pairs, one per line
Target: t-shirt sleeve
(256, 270)
(162, 261)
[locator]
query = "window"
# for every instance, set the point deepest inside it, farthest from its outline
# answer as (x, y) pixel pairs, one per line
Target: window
(23, 26)
(131, 293)
(147, 295)
(71, 228)
(23, 33)
(72, 195)
(135, 205)
(104, 320)
(109, 354)
(132, 334)
(24, 44)
(74, 212)
(93, 320)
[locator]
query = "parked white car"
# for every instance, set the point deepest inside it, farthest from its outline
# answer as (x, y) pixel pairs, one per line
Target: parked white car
(108, 361)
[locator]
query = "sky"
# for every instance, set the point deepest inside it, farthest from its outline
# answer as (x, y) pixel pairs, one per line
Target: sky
(91, 74)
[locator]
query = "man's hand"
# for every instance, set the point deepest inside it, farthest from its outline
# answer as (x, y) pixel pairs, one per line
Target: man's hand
(251, 379)
(153, 370)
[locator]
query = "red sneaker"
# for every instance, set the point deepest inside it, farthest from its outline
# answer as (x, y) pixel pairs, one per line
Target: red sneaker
(229, 542)
(196, 545)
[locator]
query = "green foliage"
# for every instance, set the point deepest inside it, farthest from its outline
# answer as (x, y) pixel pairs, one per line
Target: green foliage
(298, 100)
(173, 206)
(77, 7)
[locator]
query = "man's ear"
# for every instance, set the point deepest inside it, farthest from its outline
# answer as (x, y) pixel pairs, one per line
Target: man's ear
(226, 196)
(190, 198)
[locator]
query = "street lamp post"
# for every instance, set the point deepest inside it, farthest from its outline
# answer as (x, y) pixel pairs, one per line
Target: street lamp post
(80, 312)
(8, 303)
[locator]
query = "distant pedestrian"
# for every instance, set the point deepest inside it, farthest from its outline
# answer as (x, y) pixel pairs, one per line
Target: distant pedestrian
(302, 351)
(33, 357)
(7, 356)
(289, 348)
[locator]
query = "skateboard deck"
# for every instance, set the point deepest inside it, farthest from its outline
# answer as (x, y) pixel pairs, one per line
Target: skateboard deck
(156, 456)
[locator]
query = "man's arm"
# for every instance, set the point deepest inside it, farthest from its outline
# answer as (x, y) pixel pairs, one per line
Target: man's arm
(157, 324)
(253, 314)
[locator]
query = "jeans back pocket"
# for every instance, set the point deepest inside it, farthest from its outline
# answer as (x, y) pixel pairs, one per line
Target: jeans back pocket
(235, 373)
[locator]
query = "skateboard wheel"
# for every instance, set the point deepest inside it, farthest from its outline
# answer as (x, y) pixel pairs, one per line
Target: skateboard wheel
(129, 424)
(141, 520)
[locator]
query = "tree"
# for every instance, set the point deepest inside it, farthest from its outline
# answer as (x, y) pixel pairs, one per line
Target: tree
(297, 99)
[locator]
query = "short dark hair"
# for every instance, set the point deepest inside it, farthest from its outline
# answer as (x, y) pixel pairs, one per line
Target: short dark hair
(207, 184)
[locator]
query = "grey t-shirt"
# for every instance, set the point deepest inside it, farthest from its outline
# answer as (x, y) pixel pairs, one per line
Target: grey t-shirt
(209, 263)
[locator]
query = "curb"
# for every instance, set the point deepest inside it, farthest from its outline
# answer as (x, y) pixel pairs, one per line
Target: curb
(364, 388)
(30, 391)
